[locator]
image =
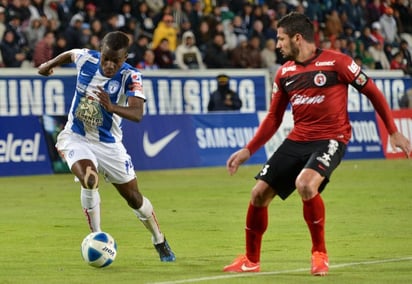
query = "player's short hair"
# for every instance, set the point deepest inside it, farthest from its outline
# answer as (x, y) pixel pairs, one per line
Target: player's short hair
(116, 40)
(297, 23)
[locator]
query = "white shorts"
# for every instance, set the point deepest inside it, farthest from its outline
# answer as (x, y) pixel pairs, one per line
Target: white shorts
(110, 159)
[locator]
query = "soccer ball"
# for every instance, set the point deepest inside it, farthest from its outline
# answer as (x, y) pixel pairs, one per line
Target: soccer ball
(99, 249)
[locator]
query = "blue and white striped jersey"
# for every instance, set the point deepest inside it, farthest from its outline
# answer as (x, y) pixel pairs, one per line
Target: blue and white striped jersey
(86, 116)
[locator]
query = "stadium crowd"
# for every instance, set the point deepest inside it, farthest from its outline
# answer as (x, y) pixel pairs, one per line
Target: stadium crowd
(193, 34)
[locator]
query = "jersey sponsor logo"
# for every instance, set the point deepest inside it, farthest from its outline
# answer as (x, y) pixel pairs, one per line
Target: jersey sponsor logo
(89, 112)
(151, 149)
(325, 63)
(353, 67)
(319, 80)
(305, 100)
(19, 150)
(288, 69)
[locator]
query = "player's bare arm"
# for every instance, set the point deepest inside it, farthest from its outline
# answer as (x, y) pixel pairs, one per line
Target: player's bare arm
(133, 111)
(46, 69)
(236, 159)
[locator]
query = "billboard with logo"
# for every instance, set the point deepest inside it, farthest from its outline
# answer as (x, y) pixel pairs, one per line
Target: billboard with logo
(23, 149)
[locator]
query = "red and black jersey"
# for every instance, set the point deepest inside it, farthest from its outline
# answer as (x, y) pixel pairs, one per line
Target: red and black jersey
(317, 91)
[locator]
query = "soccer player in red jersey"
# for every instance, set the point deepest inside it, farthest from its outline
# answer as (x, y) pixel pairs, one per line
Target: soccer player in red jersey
(315, 83)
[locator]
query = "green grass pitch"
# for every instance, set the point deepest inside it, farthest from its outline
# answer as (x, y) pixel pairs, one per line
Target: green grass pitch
(202, 213)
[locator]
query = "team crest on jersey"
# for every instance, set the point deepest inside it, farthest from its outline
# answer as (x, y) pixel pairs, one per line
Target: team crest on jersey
(89, 112)
(113, 87)
(320, 79)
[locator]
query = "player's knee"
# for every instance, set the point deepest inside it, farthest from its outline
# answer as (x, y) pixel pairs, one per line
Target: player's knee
(91, 178)
(305, 189)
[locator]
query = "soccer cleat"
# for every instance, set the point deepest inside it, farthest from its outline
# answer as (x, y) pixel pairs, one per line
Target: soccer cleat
(165, 252)
(242, 264)
(320, 263)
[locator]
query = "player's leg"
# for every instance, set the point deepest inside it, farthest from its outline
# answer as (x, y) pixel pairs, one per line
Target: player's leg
(119, 170)
(144, 210)
(277, 177)
(309, 183)
(75, 150)
(86, 173)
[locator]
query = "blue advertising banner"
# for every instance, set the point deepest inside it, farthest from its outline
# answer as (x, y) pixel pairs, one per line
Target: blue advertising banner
(161, 142)
(23, 149)
(219, 135)
(177, 92)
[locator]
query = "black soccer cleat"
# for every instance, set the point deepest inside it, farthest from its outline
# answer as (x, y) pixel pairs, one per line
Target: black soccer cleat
(165, 252)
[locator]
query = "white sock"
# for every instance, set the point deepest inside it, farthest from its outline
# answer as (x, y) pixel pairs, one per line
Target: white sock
(90, 200)
(147, 216)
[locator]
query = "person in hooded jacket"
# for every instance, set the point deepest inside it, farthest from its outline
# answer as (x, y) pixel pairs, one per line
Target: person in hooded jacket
(187, 54)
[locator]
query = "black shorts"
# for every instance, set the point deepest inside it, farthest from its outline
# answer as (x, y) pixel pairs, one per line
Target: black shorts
(283, 167)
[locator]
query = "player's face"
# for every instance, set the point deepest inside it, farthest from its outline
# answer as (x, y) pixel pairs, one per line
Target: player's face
(287, 45)
(112, 60)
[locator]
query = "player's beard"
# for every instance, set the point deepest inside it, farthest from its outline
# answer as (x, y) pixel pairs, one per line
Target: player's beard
(294, 52)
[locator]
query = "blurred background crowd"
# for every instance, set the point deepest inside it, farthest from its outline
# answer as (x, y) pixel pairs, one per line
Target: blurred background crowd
(193, 34)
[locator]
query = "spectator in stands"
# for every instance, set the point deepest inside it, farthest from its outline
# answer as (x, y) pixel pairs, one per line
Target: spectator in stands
(34, 32)
(3, 25)
(96, 28)
(187, 54)
(148, 62)
(376, 32)
(144, 20)
(373, 12)
(367, 37)
(354, 14)
(240, 54)
(137, 49)
(111, 23)
(164, 57)
(94, 42)
(257, 31)
(379, 56)
(215, 55)
(397, 62)
(333, 25)
(90, 13)
(406, 52)
(165, 30)
(239, 27)
(191, 13)
(224, 99)
(13, 55)
(73, 33)
(389, 27)
(367, 59)
(43, 51)
(269, 58)
(203, 36)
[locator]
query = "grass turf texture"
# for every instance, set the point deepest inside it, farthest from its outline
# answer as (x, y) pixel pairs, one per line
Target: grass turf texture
(202, 212)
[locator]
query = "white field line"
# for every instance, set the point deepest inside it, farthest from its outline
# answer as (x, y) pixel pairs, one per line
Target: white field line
(241, 275)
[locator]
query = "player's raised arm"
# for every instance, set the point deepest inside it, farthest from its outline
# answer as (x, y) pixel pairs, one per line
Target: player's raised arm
(46, 69)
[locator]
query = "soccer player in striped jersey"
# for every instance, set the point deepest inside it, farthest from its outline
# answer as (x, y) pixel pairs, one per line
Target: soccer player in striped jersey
(107, 90)
(315, 83)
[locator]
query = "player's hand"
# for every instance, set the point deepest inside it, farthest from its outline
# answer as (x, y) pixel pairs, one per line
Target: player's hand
(45, 70)
(397, 140)
(236, 159)
(104, 99)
